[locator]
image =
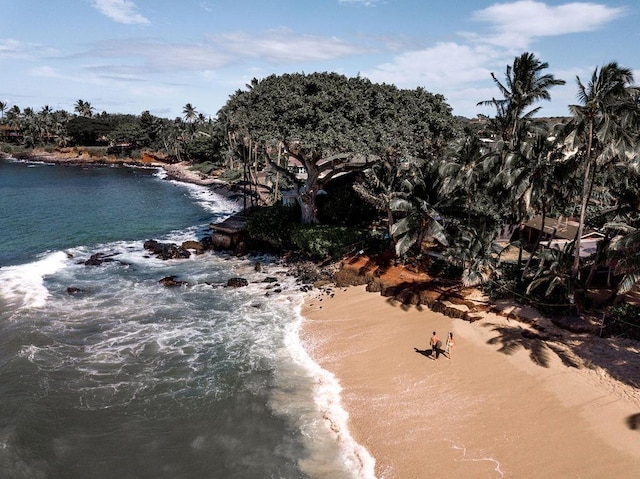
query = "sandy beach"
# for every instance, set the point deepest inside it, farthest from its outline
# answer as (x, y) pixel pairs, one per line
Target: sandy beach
(481, 413)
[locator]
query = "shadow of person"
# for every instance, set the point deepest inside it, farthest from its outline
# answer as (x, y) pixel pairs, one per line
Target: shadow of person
(424, 352)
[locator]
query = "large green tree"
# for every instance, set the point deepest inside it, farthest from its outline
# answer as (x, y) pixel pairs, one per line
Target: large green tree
(332, 125)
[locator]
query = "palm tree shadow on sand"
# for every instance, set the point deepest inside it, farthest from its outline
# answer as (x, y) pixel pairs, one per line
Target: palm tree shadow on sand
(540, 349)
(633, 422)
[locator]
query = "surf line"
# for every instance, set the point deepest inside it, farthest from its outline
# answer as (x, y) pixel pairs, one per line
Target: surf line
(471, 459)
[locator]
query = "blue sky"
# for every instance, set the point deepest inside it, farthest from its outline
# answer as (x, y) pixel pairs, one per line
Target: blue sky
(127, 56)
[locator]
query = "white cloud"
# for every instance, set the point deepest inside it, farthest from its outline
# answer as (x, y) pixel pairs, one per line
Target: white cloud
(10, 48)
(44, 71)
(283, 45)
(121, 11)
(152, 57)
(517, 24)
(435, 68)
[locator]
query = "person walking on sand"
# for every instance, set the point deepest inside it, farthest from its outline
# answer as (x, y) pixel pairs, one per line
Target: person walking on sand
(435, 346)
(449, 345)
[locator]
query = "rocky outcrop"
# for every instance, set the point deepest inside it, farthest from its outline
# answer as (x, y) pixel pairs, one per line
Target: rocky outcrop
(172, 281)
(98, 259)
(166, 250)
(237, 283)
(198, 247)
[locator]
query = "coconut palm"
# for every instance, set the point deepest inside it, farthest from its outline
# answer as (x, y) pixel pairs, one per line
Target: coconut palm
(190, 113)
(3, 108)
(478, 253)
(626, 253)
(598, 130)
(524, 85)
(83, 108)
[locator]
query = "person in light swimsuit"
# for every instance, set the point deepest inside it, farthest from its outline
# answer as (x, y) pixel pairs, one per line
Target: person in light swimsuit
(449, 346)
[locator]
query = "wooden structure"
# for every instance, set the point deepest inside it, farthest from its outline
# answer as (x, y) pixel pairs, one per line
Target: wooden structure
(229, 234)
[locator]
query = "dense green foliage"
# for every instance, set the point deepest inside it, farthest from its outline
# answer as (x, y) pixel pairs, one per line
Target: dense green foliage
(361, 157)
(331, 125)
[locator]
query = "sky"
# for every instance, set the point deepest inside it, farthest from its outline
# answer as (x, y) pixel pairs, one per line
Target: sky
(130, 56)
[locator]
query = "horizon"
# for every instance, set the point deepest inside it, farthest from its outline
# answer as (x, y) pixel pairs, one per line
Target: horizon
(130, 56)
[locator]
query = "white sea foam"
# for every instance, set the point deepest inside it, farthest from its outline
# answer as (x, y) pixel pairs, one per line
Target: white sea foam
(22, 286)
(205, 196)
(466, 458)
(324, 422)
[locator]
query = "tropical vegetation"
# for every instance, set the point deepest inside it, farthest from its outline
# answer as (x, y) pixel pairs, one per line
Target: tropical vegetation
(336, 164)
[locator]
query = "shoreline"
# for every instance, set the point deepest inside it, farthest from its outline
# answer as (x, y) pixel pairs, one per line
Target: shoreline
(175, 171)
(482, 413)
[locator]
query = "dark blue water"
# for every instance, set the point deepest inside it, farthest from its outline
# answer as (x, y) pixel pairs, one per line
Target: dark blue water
(130, 379)
(47, 207)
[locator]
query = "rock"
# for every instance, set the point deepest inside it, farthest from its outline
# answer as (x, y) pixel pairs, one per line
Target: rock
(197, 246)
(237, 282)
(166, 250)
(270, 279)
(71, 290)
(575, 324)
(98, 258)
(171, 281)
(373, 286)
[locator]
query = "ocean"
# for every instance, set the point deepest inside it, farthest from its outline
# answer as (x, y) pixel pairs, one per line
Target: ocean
(106, 373)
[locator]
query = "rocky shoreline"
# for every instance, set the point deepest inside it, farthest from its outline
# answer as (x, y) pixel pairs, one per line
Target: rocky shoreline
(397, 283)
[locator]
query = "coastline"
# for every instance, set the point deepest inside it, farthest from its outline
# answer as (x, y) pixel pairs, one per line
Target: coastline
(175, 171)
(481, 413)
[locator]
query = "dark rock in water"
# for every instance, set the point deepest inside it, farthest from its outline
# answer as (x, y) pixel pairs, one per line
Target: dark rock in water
(72, 290)
(258, 267)
(197, 246)
(171, 281)
(166, 250)
(206, 242)
(97, 259)
(237, 283)
(270, 279)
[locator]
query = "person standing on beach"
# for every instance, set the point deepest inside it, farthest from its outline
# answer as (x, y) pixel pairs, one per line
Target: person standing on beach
(449, 345)
(435, 346)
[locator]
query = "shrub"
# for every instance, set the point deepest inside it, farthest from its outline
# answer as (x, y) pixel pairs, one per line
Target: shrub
(231, 175)
(321, 241)
(623, 320)
(273, 225)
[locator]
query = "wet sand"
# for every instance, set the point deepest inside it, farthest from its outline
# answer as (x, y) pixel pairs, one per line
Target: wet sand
(481, 413)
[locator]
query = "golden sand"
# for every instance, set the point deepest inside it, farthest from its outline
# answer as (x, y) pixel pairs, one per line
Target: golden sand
(481, 413)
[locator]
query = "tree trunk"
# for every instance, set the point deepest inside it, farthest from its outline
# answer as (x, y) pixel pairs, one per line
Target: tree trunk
(307, 202)
(575, 270)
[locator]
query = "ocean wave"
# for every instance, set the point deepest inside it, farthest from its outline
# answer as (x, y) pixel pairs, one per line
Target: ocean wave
(22, 286)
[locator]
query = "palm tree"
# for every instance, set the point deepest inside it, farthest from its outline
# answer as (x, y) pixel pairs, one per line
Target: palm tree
(598, 129)
(415, 205)
(190, 113)
(3, 108)
(84, 108)
(626, 251)
(524, 85)
(477, 252)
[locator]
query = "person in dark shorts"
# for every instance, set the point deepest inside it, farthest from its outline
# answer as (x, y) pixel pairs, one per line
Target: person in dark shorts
(435, 346)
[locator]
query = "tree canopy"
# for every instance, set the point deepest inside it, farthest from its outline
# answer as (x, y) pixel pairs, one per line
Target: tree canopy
(332, 124)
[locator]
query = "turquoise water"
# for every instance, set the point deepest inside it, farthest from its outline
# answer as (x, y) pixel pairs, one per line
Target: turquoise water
(129, 379)
(47, 207)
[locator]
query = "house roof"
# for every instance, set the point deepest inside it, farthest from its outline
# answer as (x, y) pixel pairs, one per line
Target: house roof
(565, 227)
